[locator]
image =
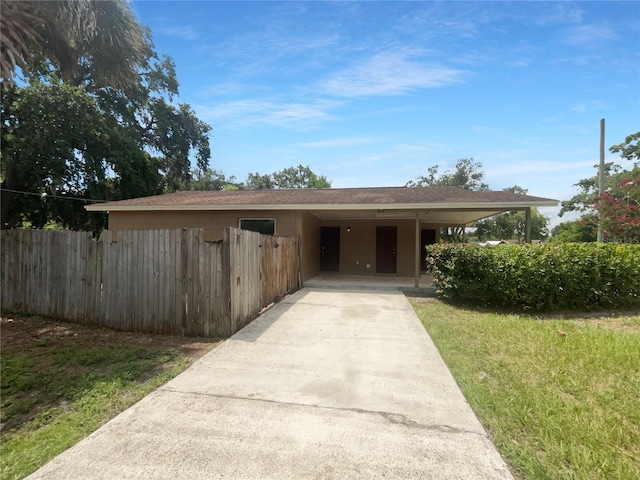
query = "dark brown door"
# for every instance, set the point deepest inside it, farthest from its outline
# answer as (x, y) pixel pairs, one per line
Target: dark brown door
(386, 244)
(427, 237)
(330, 249)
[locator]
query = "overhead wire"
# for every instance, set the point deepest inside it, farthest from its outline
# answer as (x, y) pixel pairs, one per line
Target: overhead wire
(42, 195)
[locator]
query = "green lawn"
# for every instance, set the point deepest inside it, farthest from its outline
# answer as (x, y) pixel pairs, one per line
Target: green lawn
(61, 381)
(560, 398)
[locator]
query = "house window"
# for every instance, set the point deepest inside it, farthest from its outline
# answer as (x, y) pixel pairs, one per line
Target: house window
(266, 226)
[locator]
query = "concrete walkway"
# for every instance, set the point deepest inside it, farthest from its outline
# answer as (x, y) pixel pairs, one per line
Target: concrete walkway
(373, 282)
(326, 384)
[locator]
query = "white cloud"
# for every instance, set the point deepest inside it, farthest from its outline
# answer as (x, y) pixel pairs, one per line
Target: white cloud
(282, 114)
(183, 32)
(551, 13)
(536, 167)
(340, 142)
(393, 72)
(521, 62)
(589, 106)
(589, 35)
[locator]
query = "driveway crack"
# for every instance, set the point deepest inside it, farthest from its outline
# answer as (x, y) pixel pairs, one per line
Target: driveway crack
(394, 418)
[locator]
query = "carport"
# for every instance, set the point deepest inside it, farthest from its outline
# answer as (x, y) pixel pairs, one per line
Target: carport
(420, 213)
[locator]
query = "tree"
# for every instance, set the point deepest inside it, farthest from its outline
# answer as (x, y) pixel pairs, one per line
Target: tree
(58, 145)
(583, 230)
(81, 139)
(256, 181)
(467, 174)
(510, 225)
(585, 200)
(629, 149)
(72, 35)
(210, 179)
(292, 177)
(299, 177)
(618, 208)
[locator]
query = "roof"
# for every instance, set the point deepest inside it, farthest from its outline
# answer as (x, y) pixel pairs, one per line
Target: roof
(393, 202)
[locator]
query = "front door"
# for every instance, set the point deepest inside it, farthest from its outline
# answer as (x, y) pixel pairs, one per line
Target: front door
(427, 237)
(329, 249)
(386, 244)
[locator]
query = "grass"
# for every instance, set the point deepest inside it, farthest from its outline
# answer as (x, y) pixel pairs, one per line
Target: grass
(61, 382)
(560, 398)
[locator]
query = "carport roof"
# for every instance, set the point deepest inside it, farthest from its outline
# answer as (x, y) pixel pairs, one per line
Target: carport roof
(381, 202)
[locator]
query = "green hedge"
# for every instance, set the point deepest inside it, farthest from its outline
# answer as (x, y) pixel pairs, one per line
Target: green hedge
(567, 276)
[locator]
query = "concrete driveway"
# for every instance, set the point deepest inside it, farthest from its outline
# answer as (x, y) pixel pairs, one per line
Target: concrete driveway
(326, 384)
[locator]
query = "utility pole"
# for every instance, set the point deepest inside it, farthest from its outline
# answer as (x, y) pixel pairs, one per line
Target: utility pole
(600, 237)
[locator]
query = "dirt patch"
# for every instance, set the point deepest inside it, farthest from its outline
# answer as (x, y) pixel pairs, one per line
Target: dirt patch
(421, 300)
(46, 362)
(20, 333)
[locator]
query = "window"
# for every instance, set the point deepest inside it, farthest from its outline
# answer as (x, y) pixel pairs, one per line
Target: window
(266, 226)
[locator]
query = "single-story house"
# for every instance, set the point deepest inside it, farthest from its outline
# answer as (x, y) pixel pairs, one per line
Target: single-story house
(352, 231)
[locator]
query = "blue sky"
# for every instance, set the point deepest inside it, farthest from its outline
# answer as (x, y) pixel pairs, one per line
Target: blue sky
(374, 93)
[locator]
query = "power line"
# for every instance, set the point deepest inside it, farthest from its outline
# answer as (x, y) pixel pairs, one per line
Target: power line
(86, 200)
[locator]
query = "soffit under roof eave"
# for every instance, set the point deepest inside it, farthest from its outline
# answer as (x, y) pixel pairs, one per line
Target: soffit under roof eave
(424, 215)
(312, 207)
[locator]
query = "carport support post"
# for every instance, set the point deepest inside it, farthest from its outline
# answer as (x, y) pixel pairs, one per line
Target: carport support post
(527, 223)
(417, 254)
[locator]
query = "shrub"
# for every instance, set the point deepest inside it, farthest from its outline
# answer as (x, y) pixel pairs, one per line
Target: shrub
(564, 276)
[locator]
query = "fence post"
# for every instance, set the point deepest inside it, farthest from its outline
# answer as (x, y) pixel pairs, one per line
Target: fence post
(226, 321)
(184, 277)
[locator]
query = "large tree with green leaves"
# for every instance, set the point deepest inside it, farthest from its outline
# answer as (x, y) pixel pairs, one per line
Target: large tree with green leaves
(73, 36)
(582, 230)
(618, 208)
(512, 225)
(292, 177)
(82, 139)
(467, 174)
(210, 179)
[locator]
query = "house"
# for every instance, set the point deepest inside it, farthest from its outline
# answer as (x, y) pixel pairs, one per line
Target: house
(492, 243)
(352, 231)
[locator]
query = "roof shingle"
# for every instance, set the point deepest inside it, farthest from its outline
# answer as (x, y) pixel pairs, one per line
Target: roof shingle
(340, 197)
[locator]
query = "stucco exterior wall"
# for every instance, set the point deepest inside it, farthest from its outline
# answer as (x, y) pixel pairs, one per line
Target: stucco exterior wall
(287, 223)
(310, 246)
(357, 247)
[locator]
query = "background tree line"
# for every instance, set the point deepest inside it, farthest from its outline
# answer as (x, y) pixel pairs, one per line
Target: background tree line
(468, 174)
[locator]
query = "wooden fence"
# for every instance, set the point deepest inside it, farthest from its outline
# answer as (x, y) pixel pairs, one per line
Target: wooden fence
(154, 281)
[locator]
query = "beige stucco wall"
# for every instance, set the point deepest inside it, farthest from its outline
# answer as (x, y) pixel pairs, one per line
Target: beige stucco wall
(357, 248)
(288, 224)
(310, 246)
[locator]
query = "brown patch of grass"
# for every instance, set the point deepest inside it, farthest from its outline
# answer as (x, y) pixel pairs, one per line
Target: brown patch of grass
(61, 381)
(43, 340)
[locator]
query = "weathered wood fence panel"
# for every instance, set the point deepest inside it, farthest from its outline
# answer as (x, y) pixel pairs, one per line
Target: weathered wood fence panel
(279, 267)
(156, 281)
(244, 275)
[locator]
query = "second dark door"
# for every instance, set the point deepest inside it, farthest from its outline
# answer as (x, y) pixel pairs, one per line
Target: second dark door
(386, 245)
(330, 249)
(427, 237)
